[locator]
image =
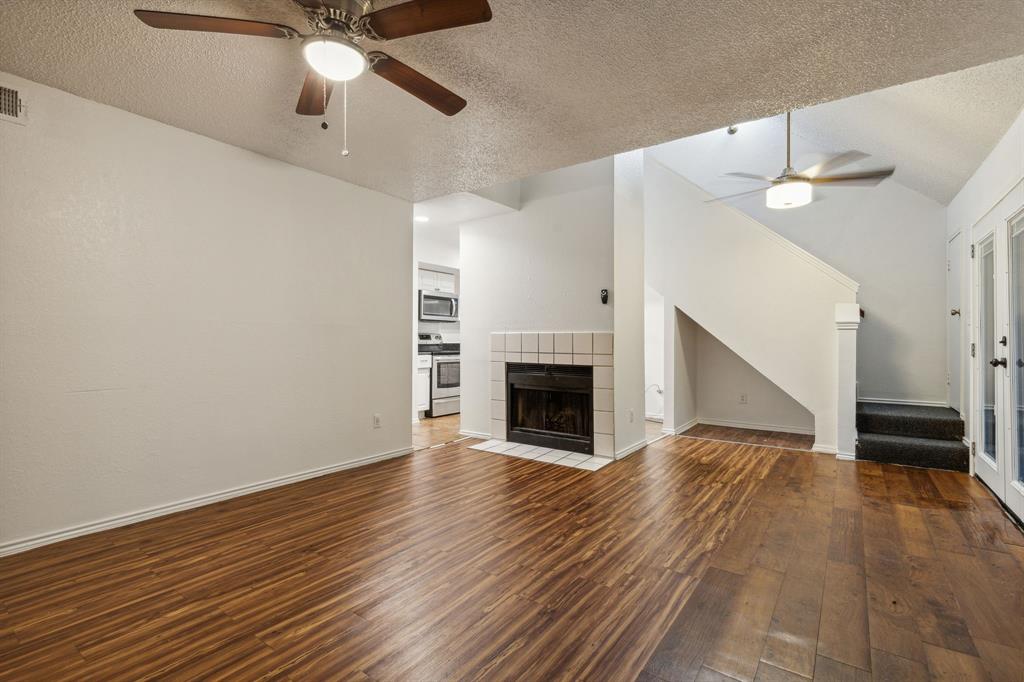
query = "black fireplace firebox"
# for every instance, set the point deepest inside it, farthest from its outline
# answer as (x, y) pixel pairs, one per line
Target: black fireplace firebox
(551, 406)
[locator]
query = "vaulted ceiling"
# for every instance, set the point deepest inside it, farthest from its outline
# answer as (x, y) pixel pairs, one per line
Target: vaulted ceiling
(548, 83)
(935, 131)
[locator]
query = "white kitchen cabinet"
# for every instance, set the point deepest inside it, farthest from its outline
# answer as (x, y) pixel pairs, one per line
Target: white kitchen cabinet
(428, 280)
(423, 382)
(446, 282)
(436, 280)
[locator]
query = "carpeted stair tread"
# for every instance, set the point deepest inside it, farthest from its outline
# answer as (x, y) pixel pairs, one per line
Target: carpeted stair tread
(913, 451)
(920, 421)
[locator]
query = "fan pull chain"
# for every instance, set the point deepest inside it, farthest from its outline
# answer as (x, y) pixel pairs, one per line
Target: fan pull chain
(323, 84)
(344, 125)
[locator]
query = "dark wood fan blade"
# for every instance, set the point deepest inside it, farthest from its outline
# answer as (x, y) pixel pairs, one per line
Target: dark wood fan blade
(867, 178)
(834, 163)
(416, 84)
(197, 22)
(424, 16)
(736, 196)
(311, 99)
(750, 176)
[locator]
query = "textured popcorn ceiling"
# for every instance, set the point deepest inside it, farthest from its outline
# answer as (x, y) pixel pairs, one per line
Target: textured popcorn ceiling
(549, 82)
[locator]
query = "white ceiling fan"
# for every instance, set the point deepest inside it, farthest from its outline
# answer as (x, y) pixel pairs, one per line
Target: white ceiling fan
(792, 189)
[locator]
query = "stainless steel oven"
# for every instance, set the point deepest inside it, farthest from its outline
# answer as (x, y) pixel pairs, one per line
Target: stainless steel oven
(445, 382)
(439, 306)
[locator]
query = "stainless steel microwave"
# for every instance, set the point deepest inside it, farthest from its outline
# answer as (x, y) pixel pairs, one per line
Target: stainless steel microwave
(438, 306)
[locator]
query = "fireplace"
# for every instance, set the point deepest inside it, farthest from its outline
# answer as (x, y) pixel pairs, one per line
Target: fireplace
(551, 405)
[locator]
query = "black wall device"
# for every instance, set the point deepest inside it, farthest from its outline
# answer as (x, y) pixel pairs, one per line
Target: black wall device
(604, 296)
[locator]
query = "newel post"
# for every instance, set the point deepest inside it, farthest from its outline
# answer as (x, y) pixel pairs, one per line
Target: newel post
(847, 322)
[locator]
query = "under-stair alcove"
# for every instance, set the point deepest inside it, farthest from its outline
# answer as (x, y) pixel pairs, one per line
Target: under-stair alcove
(707, 383)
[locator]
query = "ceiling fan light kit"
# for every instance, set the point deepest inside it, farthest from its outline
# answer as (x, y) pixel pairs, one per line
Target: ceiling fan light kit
(789, 194)
(334, 56)
(792, 189)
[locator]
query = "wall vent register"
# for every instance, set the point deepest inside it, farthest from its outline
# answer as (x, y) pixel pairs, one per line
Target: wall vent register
(12, 109)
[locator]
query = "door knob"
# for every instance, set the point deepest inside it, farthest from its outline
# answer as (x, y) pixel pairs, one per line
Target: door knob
(998, 363)
(954, 311)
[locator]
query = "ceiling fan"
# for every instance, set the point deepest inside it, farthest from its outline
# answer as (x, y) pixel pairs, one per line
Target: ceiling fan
(332, 47)
(792, 189)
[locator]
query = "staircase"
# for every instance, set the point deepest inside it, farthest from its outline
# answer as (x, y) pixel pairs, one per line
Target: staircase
(912, 435)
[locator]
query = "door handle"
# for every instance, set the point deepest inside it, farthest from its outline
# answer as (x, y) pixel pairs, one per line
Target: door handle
(1001, 362)
(954, 311)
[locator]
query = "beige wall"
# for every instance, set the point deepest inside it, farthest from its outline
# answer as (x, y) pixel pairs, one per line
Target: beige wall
(180, 318)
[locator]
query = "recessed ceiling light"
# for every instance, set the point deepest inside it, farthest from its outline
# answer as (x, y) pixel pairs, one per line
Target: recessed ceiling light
(334, 57)
(421, 219)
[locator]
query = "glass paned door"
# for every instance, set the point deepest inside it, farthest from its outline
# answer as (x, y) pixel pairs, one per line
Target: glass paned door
(990, 374)
(1014, 474)
(987, 389)
(999, 365)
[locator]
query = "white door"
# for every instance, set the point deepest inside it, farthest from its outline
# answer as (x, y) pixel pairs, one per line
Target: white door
(954, 324)
(1013, 469)
(999, 361)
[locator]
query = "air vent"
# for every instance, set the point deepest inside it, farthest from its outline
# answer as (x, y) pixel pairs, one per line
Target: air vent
(553, 370)
(11, 107)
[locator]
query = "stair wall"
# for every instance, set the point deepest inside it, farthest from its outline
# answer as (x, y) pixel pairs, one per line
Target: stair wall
(769, 301)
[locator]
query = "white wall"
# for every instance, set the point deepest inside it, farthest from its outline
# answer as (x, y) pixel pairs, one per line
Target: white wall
(179, 317)
(654, 354)
(436, 244)
(628, 293)
(772, 303)
(538, 269)
(889, 238)
(722, 376)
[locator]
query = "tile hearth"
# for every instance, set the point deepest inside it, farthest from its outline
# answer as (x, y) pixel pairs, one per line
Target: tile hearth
(575, 460)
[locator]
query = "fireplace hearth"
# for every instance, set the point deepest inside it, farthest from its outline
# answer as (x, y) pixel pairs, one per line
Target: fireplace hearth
(551, 406)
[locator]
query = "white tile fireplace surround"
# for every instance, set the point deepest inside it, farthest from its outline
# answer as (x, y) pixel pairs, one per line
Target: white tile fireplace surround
(557, 348)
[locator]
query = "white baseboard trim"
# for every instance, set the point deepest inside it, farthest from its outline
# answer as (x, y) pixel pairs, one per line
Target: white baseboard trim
(825, 449)
(755, 426)
(682, 427)
(967, 441)
(891, 401)
(846, 457)
(24, 544)
(475, 434)
(655, 417)
(629, 450)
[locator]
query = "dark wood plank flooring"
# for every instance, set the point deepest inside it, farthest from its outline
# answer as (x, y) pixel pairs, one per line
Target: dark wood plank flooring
(731, 434)
(691, 559)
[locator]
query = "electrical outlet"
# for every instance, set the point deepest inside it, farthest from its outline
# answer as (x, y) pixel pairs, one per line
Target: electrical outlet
(376, 421)
(743, 398)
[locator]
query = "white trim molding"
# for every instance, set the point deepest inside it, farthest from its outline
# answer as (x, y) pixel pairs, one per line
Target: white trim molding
(681, 428)
(25, 544)
(894, 401)
(475, 434)
(630, 449)
(847, 321)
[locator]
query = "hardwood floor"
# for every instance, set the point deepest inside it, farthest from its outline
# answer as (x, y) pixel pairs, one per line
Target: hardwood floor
(432, 431)
(779, 439)
(652, 430)
(691, 559)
